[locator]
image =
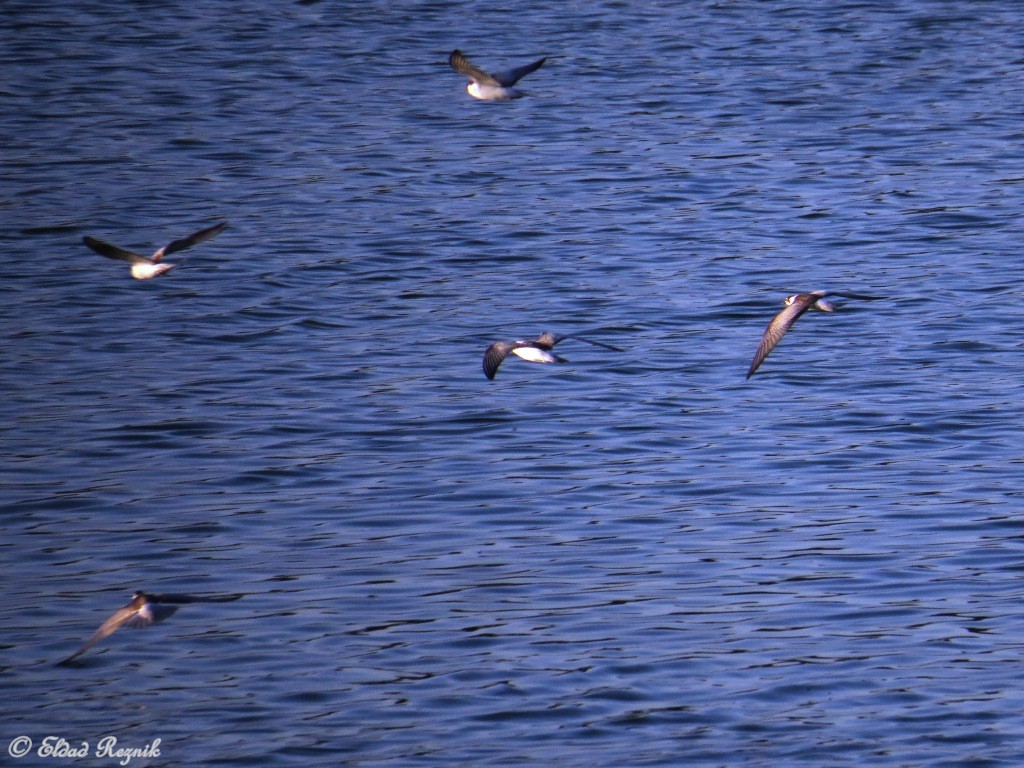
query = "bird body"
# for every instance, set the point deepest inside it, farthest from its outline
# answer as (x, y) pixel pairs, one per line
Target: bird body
(536, 351)
(795, 306)
(491, 87)
(143, 611)
(533, 354)
(145, 267)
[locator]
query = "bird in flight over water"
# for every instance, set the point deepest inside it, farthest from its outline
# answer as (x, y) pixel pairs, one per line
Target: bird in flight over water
(795, 306)
(144, 267)
(143, 611)
(538, 351)
(491, 87)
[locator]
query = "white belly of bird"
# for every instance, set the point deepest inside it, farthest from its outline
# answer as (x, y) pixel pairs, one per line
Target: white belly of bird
(489, 92)
(144, 271)
(533, 355)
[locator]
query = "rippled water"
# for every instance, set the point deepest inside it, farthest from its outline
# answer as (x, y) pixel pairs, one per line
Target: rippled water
(631, 559)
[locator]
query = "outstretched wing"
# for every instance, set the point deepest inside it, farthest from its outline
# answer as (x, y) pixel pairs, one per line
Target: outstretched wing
(591, 341)
(113, 252)
(107, 628)
(858, 296)
(462, 65)
(181, 598)
(549, 340)
(778, 326)
(187, 242)
(494, 356)
(513, 76)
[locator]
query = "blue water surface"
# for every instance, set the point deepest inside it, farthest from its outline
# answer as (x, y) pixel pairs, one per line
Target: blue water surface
(631, 559)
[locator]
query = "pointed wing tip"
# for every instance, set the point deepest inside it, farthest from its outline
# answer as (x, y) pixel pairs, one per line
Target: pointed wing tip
(68, 660)
(195, 238)
(605, 345)
(759, 357)
(178, 597)
(755, 366)
(490, 366)
(95, 244)
(494, 356)
(210, 231)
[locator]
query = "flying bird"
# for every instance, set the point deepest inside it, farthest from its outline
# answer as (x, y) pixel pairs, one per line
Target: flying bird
(795, 306)
(144, 267)
(488, 87)
(143, 611)
(538, 351)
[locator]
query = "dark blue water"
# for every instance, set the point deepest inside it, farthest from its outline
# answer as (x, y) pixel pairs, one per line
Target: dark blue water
(630, 559)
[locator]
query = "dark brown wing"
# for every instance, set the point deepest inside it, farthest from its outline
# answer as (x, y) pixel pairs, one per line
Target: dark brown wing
(494, 356)
(461, 64)
(591, 341)
(113, 252)
(859, 296)
(779, 325)
(548, 340)
(187, 242)
(181, 598)
(513, 76)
